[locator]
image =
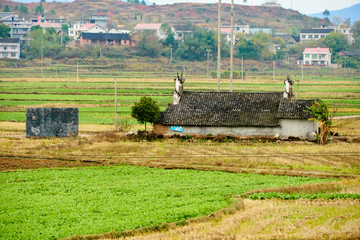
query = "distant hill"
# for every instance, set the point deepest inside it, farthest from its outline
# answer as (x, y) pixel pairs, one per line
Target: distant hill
(352, 12)
(200, 14)
(32, 1)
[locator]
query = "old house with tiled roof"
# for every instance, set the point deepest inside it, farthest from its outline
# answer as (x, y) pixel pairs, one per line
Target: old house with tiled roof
(118, 39)
(265, 114)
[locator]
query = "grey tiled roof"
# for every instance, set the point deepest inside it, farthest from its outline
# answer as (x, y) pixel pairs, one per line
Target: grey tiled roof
(294, 109)
(9, 40)
(317, 30)
(105, 36)
(232, 109)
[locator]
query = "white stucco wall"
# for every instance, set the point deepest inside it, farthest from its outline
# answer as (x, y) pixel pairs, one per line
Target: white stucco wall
(297, 128)
(231, 131)
(288, 127)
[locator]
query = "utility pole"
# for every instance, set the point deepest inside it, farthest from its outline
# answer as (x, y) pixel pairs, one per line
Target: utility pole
(219, 48)
(116, 122)
(302, 72)
(77, 72)
(171, 54)
(208, 57)
(42, 59)
(232, 45)
(274, 71)
(242, 69)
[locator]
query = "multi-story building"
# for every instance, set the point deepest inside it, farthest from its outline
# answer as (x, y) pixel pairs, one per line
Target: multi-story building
(9, 48)
(226, 30)
(323, 31)
(317, 57)
(76, 30)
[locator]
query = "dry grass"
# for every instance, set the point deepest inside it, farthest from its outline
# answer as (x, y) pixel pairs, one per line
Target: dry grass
(285, 158)
(277, 219)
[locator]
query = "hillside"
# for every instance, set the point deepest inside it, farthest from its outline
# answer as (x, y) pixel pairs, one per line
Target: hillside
(204, 15)
(350, 12)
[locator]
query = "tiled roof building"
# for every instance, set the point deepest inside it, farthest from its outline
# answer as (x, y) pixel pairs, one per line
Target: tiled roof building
(236, 113)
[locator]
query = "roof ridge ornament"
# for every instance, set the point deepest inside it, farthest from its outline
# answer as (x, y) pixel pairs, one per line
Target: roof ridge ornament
(179, 88)
(288, 94)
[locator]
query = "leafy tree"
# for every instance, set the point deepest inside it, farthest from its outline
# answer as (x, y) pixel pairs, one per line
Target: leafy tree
(36, 27)
(16, 8)
(262, 42)
(147, 44)
(39, 9)
(52, 11)
(246, 49)
(4, 30)
(195, 45)
(326, 13)
(23, 9)
(147, 110)
(169, 40)
(336, 42)
(65, 27)
(356, 28)
(42, 1)
(51, 30)
(6, 8)
(320, 111)
(143, 3)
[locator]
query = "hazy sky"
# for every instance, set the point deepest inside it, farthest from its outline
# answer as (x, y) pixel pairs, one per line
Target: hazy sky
(303, 6)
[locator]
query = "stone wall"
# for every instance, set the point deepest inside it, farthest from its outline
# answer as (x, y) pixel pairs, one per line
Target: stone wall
(52, 122)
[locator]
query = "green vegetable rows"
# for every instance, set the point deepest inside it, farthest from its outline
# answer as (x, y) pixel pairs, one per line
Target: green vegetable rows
(52, 204)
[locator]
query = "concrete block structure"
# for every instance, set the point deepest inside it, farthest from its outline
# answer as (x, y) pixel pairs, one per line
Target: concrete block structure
(52, 122)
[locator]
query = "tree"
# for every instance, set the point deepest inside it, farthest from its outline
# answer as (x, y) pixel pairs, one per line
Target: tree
(147, 44)
(39, 9)
(52, 11)
(6, 8)
(245, 1)
(4, 30)
(147, 110)
(336, 42)
(143, 3)
(326, 13)
(246, 49)
(356, 28)
(195, 45)
(320, 112)
(23, 9)
(169, 40)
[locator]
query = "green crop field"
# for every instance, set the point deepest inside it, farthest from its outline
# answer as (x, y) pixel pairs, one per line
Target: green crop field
(52, 204)
(94, 96)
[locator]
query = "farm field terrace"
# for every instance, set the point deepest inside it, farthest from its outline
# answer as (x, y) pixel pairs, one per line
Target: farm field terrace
(57, 203)
(95, 96)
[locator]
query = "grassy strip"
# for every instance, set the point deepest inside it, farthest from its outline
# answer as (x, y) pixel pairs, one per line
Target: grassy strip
(296, 196)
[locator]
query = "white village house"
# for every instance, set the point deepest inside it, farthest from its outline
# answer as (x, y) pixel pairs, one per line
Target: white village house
(10, 48)
(317, 57)
(244, 114)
